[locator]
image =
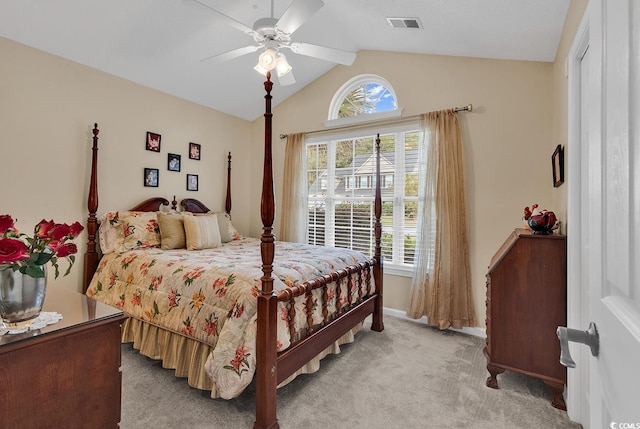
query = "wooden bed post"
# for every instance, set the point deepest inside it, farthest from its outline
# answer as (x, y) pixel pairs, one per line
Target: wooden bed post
(227, 203)
(91, 256)
(377, 324)
(266, 336)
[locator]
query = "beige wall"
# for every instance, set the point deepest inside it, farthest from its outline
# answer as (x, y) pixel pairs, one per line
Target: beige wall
(507, 139)
(48, 106)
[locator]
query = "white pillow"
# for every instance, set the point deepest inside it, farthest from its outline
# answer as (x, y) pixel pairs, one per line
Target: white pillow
(227, 230)
(108, 232)
(202, 232)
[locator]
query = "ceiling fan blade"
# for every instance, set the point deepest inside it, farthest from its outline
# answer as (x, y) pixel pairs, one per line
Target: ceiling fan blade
(232, 21)
(297, 13)
(287, 79)
(327, 54)
(229, 55)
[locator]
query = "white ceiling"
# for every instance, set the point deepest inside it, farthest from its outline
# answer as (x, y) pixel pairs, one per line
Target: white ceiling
(159, 43)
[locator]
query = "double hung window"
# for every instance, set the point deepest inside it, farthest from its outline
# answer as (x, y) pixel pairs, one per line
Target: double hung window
(341, 189)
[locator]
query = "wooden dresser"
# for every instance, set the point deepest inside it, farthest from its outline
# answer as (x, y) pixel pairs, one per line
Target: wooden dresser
(66, 375)
(526, 302)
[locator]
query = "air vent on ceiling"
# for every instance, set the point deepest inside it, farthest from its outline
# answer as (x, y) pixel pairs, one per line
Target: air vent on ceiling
(404, 22)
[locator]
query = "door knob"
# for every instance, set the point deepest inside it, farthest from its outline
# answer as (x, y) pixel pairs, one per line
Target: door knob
(589, 337)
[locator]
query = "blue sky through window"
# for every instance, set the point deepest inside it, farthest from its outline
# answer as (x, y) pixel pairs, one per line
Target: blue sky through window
(380, 97)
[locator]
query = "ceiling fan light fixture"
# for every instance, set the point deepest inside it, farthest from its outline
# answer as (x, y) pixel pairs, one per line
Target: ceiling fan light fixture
(282, 66)
(258, 67)
(267, 59)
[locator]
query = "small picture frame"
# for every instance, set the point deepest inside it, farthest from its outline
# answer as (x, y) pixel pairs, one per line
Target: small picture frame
(194, 151)
(153, 141)
(557, 163)
(192, 182)
(173, 162)
(151, 177)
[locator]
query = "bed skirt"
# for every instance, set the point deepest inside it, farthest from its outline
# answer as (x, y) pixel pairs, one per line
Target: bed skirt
(188, 357)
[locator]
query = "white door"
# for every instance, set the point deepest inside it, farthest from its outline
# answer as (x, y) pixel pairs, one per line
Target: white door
(611, 277)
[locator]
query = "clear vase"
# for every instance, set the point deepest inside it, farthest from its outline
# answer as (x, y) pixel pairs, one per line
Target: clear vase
(21, 297)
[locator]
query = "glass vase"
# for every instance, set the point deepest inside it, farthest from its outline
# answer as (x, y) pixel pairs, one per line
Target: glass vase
(21, 297)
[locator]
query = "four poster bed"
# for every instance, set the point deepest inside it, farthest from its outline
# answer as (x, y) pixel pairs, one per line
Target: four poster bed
(220, 314)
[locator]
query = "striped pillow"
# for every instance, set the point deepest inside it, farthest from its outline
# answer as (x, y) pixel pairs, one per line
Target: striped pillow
(202, 232)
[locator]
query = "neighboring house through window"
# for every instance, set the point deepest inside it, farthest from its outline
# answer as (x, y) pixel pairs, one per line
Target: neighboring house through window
(342, 215)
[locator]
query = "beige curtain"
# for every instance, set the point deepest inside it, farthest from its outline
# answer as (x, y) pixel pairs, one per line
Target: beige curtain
(441, 288)
(293, 220)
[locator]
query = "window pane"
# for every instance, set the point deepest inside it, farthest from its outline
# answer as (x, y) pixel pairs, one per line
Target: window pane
(317, 169)
(380, 98)
(316, 228)
(411, 140)
(411, 185)
(409, 230)
(368, 98)
(353, 226)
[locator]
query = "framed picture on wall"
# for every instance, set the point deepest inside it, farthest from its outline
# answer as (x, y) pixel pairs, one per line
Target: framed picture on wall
(151, 177)
(192, 182)
(153, 141)
(194, 151)
(173, 162)
(557, 164)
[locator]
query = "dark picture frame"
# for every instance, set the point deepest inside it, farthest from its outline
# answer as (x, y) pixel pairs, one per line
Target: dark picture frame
(192, 182)
(173, 162)
(153, 141)
(557, 164)
(194, 151)
(151, 177)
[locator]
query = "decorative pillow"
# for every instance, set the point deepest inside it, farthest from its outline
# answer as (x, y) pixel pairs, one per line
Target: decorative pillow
(108, 232)
(202, 232)
(171, 231)
(137, 230)
(227, 231)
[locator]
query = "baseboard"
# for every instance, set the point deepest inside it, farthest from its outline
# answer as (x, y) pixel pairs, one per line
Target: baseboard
(478, 332)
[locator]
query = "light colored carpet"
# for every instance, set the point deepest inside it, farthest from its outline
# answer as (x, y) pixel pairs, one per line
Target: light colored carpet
(409, 376)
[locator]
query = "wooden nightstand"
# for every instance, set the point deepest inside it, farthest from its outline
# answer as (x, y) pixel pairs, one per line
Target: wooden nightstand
(65, 375)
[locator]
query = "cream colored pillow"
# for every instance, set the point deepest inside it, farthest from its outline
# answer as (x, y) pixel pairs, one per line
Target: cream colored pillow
(137, 230)
(202, 232)
(172, 234)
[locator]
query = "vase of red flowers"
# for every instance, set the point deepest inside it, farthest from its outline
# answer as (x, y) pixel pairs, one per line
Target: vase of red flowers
(23, 266)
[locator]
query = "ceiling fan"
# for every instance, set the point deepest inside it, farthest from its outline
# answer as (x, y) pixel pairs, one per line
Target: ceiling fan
(273, 35)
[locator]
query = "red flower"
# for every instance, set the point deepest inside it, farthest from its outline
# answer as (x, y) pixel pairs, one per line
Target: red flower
(60, 232)
(76, 228)
(66, 250)
(12, 250)
(43, 227)
(6, 223)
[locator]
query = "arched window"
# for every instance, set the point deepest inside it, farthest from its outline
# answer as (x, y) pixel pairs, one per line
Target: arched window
(340, 175)
(363, 98)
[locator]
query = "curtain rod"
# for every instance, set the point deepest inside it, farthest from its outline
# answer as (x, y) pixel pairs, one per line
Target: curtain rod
(467, 108)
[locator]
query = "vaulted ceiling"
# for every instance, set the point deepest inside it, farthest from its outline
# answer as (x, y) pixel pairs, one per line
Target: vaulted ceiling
(161, 43)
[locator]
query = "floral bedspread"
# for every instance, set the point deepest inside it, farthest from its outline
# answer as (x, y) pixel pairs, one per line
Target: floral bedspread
(211, 295)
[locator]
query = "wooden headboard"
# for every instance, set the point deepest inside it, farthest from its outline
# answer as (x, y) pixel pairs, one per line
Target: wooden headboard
(153, 205)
